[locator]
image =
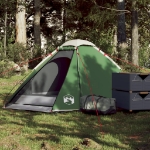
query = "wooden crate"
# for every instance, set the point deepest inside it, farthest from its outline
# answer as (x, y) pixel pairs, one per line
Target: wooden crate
(132, 100)
(131, 81)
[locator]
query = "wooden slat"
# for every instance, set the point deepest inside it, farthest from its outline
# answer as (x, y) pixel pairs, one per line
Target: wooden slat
(143, 92)
(144, 74)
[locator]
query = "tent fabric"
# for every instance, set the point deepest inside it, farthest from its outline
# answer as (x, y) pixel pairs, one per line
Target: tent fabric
(58, 82)
(108, 57)
(77, 43)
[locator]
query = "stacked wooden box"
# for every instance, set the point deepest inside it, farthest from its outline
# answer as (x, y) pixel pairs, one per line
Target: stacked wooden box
(131, 90)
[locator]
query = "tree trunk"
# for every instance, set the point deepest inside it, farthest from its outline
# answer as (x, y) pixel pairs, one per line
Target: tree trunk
(37, 35)
(21, 23)
(63, 21)
(121, 30)
(134, 35)
(121, 23)
(37, 17)
(114, 50)
(5, 33)
(21, 29)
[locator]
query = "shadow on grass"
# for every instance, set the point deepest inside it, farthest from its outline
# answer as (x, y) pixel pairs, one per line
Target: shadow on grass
(120, 130)
(3, 96)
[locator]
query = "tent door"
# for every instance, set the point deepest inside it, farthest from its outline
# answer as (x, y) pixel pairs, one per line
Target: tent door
(41, 91)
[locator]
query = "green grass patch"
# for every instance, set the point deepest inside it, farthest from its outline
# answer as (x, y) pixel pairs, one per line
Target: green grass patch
(28, 130)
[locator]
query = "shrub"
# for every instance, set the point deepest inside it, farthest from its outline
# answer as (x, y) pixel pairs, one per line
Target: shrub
(6, 68)
(17, 53)
(144, 54)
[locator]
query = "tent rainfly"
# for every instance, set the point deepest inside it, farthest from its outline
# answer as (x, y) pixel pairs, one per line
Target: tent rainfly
(75, 69)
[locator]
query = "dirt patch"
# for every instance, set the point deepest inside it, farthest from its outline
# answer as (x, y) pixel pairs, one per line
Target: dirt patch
(47, 146)
(87, 143)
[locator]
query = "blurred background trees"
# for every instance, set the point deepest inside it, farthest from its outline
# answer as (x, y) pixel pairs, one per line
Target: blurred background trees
(120, 28)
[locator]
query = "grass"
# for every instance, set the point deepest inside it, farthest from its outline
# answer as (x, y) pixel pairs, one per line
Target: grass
(27, 130)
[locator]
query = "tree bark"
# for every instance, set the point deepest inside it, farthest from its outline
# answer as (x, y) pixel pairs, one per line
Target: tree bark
(37, 17)
(134, 34)
(114, 50)
(5, 33)
(37, 34)
(21, 29)
(21, 23)
(121, 23)
(63, 21)
(121, 30)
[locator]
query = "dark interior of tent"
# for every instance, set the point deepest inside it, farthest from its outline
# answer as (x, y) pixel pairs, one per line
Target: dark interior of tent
(43, 88)
(49, 79)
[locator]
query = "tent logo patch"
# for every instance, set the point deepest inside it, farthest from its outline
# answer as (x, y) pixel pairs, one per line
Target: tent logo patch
(68, 99)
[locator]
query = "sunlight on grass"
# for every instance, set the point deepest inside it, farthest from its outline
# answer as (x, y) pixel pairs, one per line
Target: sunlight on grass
(62, 131)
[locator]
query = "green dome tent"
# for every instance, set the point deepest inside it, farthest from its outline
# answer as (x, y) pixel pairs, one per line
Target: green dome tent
(75, 69)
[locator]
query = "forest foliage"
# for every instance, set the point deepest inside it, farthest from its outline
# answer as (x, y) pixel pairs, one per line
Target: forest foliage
(93, 20)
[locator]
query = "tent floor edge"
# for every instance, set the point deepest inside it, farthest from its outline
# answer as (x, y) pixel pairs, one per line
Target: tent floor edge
(29, 108)
(67, 110)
